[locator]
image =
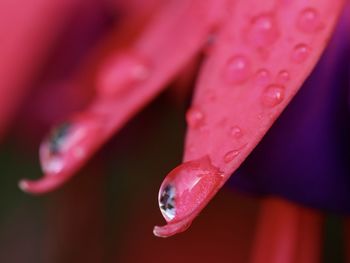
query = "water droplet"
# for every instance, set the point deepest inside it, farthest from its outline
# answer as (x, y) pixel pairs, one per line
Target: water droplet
(67, 143)
(237, 69)
(186, 187)
(283, 77)
(236, 132)
(57, 137)
(273, 95)
(308, 20)
(194, 117)
(167, 201)
(262, 77)
(230, 156)
(263, 31)
(300, 53)
(51, 148)
(120, 72)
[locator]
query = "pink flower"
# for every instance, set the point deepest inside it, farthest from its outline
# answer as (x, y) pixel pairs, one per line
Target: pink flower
(257, 54)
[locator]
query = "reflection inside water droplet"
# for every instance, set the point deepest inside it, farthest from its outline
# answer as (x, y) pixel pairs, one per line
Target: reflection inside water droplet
(57, 137)
(51, 149)
(167, 201)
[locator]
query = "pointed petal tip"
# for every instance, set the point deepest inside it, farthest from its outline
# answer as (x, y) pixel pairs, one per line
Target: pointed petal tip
(23, 185)
(43, 185)
(171, 229)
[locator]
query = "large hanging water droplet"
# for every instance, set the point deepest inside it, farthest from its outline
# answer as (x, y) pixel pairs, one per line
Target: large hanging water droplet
(273, 95)
(194, 117)
(237, 69)
(300, 53)
(309, 20)
(120, 72)
(263, 31)
(186, 188)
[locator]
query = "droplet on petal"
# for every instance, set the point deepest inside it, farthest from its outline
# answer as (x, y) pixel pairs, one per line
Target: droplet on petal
(52, 147)
(300, 53)
(262, 77)
(194, 117)
(120, 72)
(237, 69)
(236, 132)
(263, 31)
(273, 95)
(167, 202)
(309, 20)
(230, 156)
(186, 187)
(66, 143)
(283, 77)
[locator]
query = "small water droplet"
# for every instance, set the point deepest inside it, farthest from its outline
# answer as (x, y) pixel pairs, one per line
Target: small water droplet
(300, 53)
(186, 187)
(262, 77)
(120, 72)
(230, 156)
(283, 77)
(237, 69)
(273, 95)
(308, 20)
(236, 132)
(263, 31)
(194, 117)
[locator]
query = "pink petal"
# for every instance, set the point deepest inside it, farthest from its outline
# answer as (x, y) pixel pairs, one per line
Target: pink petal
(169, 42)
(263, 54)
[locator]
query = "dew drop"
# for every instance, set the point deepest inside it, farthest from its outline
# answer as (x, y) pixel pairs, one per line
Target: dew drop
(308, 20)
(51, 148)
(167, 201)
(283, 77)
(273, 95)
(186, 187)
(236, 132)
(120, 72)
(263, 31)
(300, 53)
(194, 117)
(57, 137)
(237, 69)
(230, 156)
(262, 77)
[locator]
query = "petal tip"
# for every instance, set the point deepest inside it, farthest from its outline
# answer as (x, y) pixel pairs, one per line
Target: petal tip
(23, 185)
